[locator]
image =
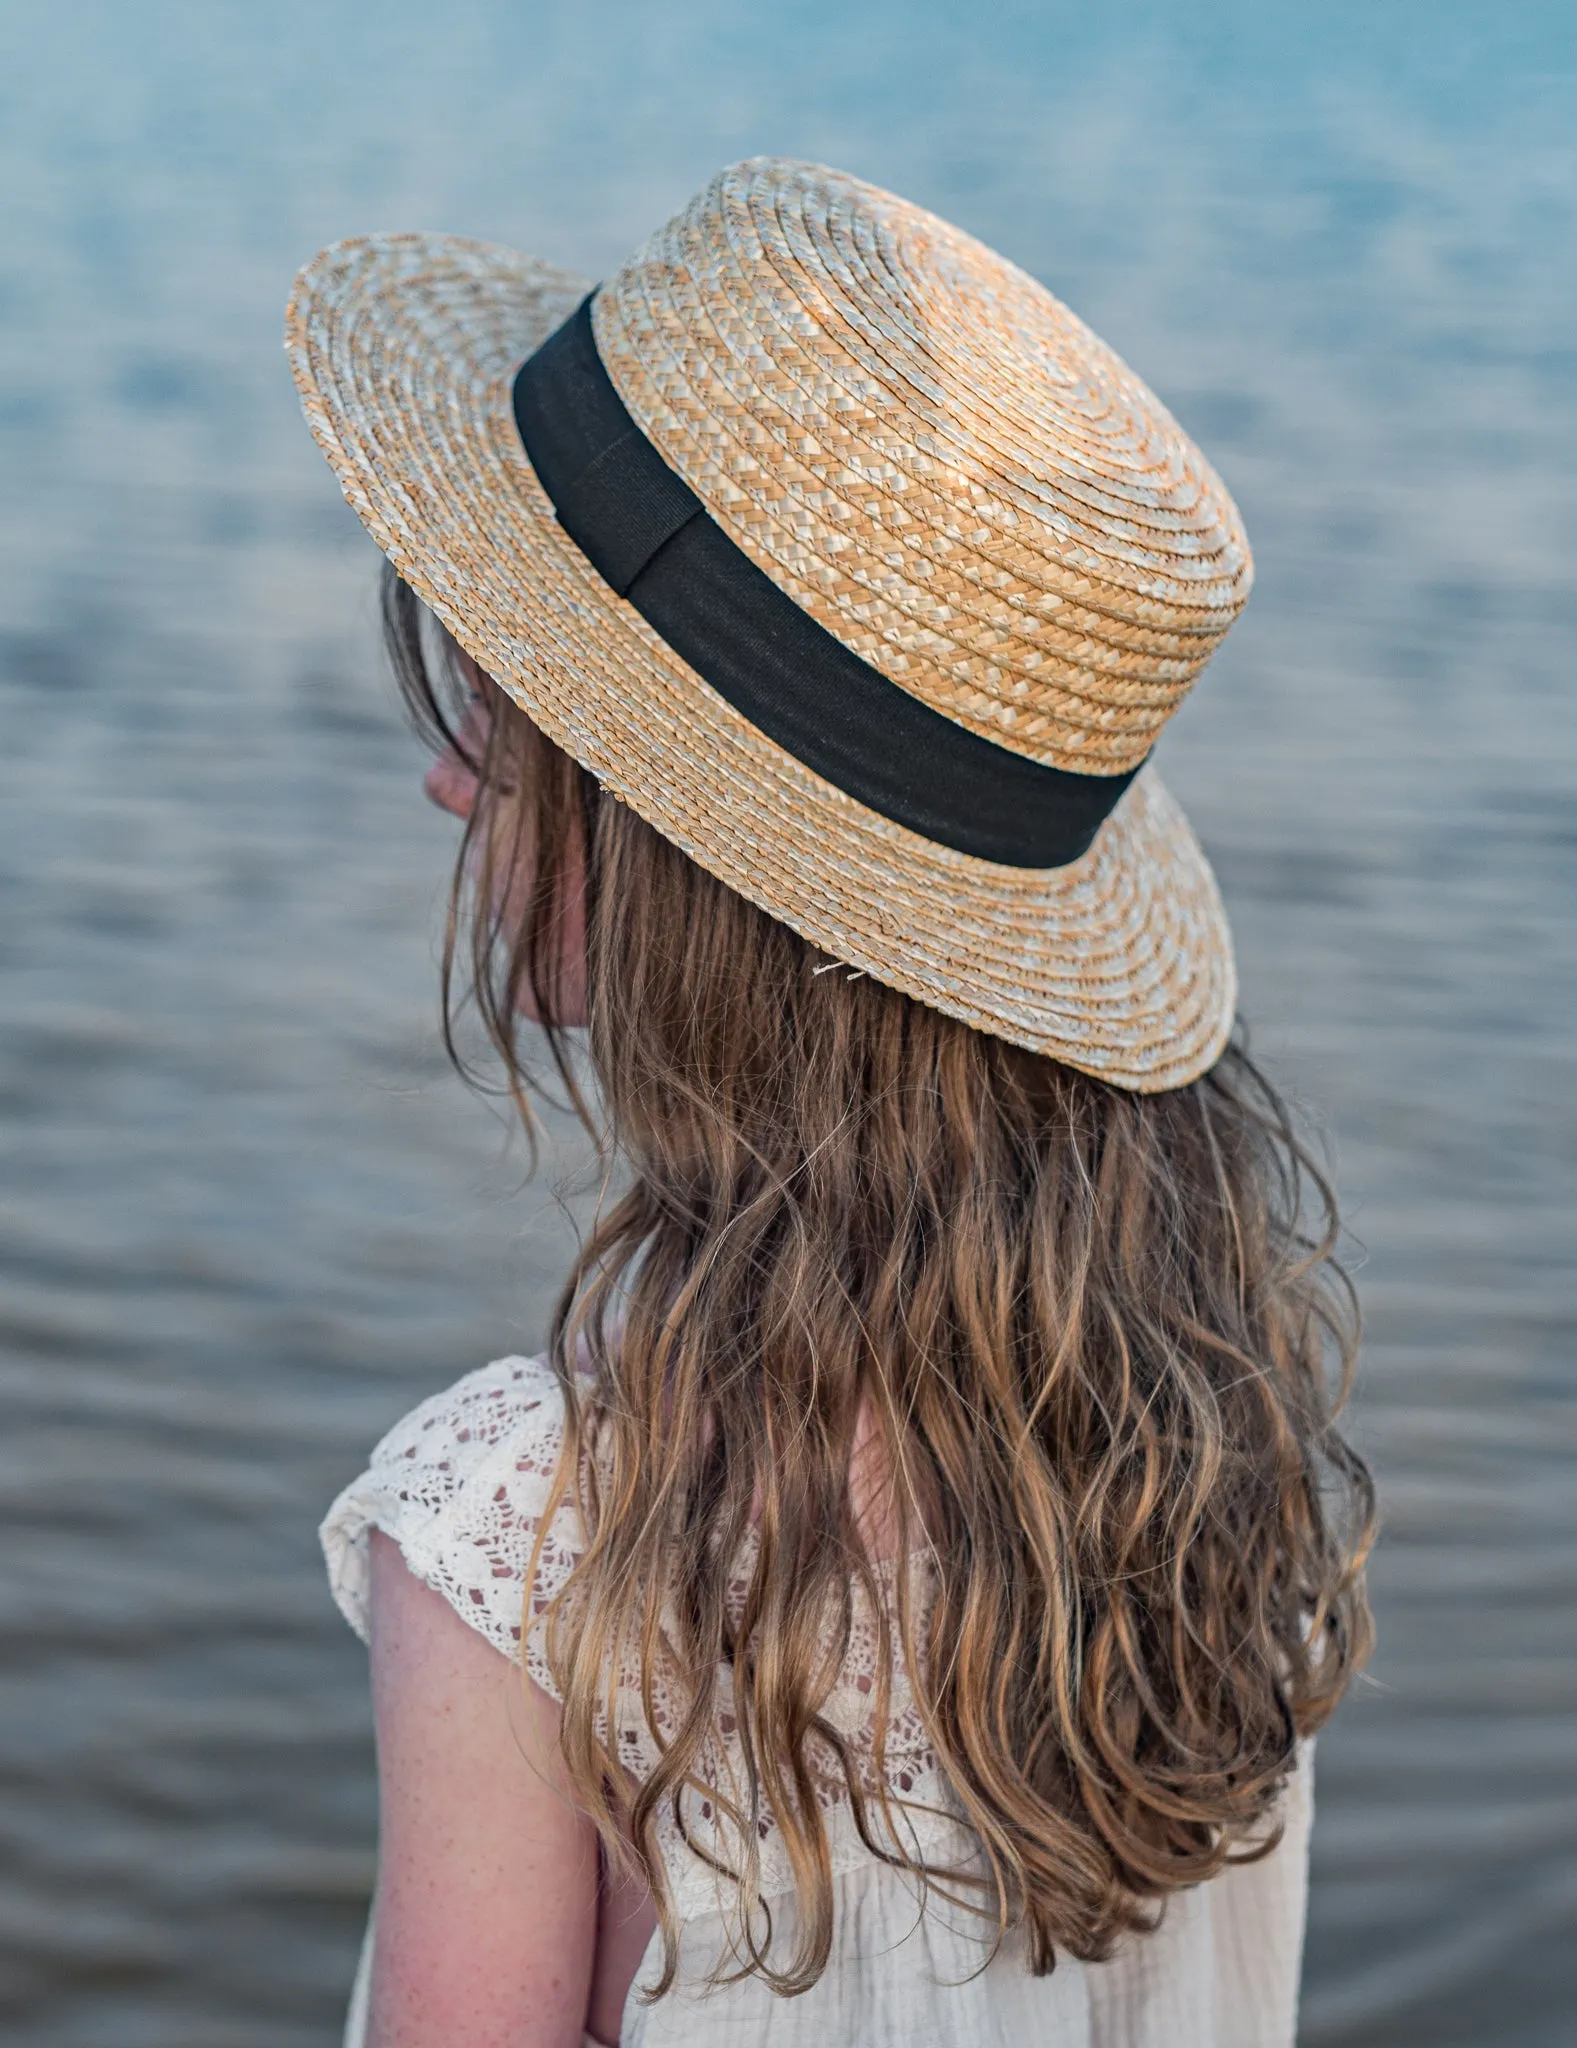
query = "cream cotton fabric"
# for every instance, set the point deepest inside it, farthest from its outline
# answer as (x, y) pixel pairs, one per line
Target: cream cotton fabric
(460, 1485)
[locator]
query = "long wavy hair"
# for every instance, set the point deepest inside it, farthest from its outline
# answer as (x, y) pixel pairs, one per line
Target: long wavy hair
(1101, 1339)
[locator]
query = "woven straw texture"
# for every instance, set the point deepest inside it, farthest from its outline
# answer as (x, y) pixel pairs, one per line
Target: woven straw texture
(937, 461)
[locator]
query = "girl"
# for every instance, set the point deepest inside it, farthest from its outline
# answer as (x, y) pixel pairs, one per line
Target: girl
(895, 1608)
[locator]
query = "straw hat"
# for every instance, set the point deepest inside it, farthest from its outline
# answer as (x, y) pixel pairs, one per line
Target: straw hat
(845, 555)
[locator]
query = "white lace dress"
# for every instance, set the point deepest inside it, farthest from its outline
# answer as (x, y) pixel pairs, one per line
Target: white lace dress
(459, 1486)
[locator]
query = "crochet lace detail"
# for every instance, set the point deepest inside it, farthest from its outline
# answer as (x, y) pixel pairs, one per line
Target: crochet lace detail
(461, 1485)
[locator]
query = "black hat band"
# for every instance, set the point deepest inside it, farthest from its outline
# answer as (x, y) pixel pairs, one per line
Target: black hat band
(649, 536)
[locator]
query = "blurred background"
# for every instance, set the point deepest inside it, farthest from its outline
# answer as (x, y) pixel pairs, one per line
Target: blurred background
(249, 1217)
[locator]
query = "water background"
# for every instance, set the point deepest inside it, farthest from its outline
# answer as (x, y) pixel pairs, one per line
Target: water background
(248, 1218)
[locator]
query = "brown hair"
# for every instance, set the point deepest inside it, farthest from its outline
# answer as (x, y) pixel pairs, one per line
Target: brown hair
(1102, 1336)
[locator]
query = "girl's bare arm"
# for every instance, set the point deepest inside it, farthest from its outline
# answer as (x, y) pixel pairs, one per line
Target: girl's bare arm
(487, 1875)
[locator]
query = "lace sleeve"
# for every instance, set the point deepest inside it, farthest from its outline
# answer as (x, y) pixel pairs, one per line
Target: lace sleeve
(460, 1485)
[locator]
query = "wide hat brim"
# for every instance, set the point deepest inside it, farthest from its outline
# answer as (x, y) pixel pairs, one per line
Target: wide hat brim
(404, 350)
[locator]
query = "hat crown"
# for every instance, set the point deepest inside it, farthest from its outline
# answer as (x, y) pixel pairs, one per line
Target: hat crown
(935, 458)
